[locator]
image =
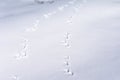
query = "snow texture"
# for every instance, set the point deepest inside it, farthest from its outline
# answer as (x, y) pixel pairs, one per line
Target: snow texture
(59, 40)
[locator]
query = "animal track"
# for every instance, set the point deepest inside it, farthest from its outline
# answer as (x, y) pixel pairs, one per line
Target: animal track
(67, 66)
(24, 50)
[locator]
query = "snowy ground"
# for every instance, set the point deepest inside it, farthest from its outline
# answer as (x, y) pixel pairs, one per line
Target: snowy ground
(65, 40)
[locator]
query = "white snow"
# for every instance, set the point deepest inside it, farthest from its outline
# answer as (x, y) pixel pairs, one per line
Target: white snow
(66, 40)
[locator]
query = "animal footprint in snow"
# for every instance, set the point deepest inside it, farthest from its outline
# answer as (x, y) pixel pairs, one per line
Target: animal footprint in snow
(46, 16)
(34, 28)
(25, 45)
(68, 72)
(66, 63)
(18, 56)
(21, 55)
(67, 45)
(67, 35)
(23, 52)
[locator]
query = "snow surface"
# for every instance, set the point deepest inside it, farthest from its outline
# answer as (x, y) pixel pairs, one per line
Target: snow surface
(65, 40)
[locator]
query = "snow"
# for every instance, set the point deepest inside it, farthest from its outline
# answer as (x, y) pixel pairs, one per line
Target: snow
(65, 40)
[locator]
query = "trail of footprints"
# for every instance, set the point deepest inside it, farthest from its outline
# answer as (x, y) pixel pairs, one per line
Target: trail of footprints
(23, 53)
(67, 59)
(34, 28)
(67, 65)
(66, 40)
(25, 43)
(61, 8)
